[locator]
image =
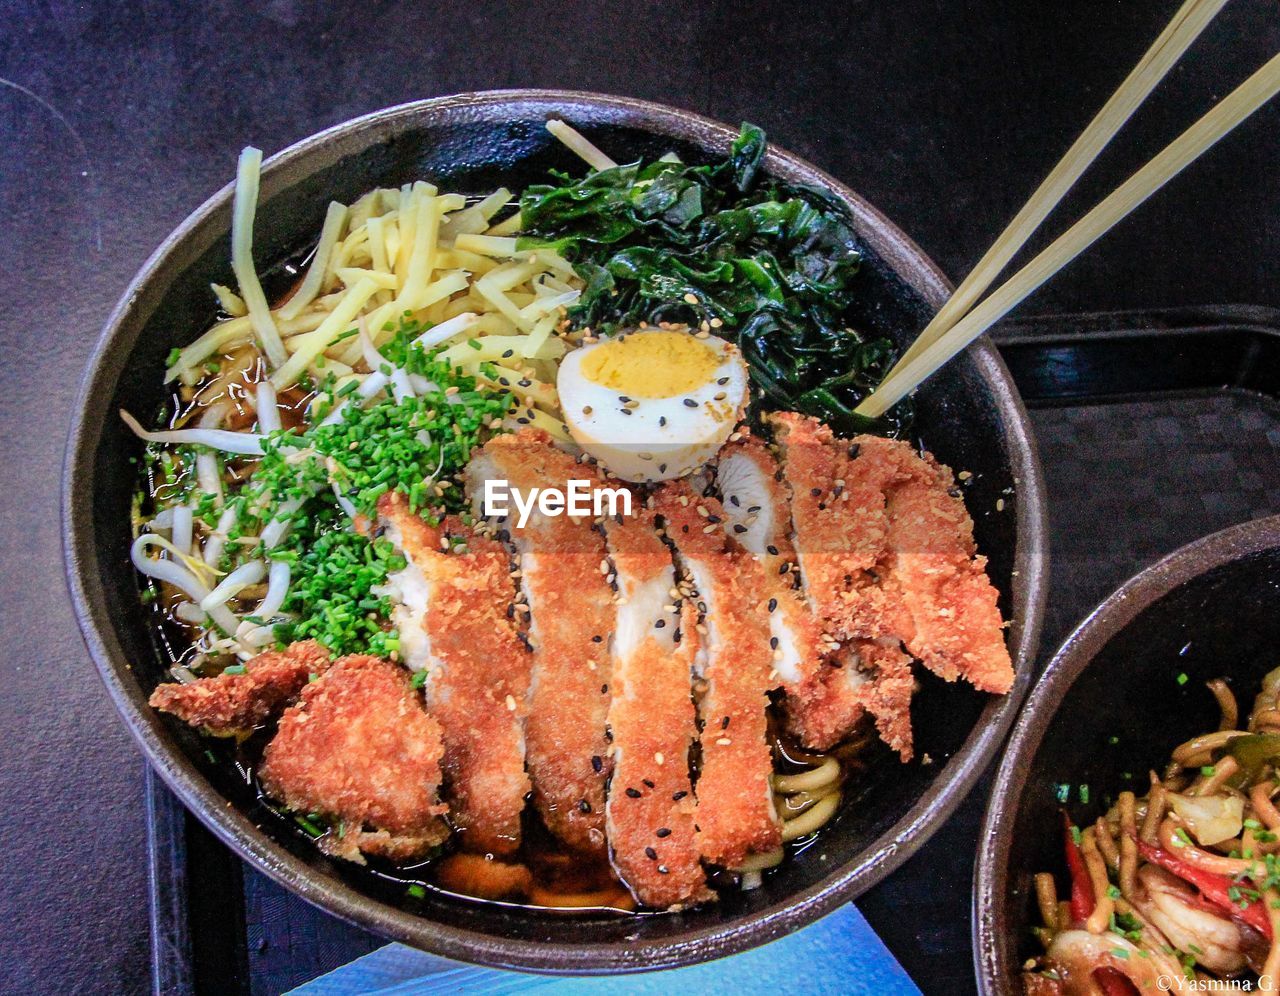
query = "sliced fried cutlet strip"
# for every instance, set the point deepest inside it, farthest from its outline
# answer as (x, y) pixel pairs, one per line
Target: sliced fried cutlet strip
(736, 816)
(451, 611)
(934, 571)
(650, 811)
(360, 749)
(838, 518)
(229, 705)
(864, 676)
(839, 527)
(757, 509)
(571, 615)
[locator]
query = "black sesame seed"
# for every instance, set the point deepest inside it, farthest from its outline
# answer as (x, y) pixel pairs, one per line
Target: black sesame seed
(773, 604)
(660, 624)
(815, 492)
(651, 854)
(633, 793)
(597, 763)
(753, 509)
(508, 354)
(854, 450)
(625, 411)
(597, 639)
(662, 420)
(679, 795)
(773, 550)
(584, 806)
(713, 519)
(773, 643)
(690, 403)
(648, 783)
(604, 689)
(663, 832)
(738, 527)
(623, 398)
(724, 723)
(662, 468)
(722, 381)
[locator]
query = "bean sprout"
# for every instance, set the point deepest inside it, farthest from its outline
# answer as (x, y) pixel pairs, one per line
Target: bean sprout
(233, 584)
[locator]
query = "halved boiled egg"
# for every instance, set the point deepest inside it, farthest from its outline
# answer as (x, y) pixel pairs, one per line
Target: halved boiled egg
(653, 404)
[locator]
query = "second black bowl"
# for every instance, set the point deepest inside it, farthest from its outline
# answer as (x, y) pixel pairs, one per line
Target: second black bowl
(1125, 689)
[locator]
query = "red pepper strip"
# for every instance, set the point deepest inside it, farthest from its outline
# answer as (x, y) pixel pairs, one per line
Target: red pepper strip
(1114, 983)
(1082, 899)
(1212, 886)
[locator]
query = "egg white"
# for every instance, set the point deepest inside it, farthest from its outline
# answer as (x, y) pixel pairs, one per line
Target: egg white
(653, 439)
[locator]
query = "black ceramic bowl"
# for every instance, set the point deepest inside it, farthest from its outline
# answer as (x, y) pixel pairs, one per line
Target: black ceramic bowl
(1210, 610)
(970, 416)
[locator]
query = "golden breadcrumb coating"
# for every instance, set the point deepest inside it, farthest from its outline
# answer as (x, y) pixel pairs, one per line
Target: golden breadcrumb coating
(757, 505)
(235, 704)
(736, 816)
(571, 614)
(934, 571)
(477, 672)
(360, 750)
(651, 809)
(863, 677)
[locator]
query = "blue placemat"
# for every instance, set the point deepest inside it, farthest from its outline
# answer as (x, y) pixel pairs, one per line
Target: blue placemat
(838, 954)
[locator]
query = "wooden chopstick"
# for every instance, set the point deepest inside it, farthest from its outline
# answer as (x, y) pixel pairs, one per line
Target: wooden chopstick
(1229, 112)
(1172, 42)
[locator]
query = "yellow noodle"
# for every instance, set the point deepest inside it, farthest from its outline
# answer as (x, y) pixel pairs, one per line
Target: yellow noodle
(763, 862)
(1263, 807)
(1198, 750)
(1223, 770)
(824, 774)
(1047, 897)
(1103, 907)
(1106, 843)
(811, 821)
(1155, 811)
(1128, 844)
(1226, 703)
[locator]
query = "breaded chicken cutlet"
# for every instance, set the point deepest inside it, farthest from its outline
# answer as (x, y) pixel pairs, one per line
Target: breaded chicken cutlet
(650, 812)
(886, 555)
(736, 813)
(570, 617)
(454, 597)
(233, 705)
(934, 569)
(360, 750)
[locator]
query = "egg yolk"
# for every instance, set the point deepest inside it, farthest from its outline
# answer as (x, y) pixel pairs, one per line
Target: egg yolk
(657, 364)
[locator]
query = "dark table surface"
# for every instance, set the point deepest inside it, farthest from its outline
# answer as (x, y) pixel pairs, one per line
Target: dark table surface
(117, 119)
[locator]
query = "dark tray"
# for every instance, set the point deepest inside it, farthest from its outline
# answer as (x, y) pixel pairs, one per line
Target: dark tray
(1154, 428)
